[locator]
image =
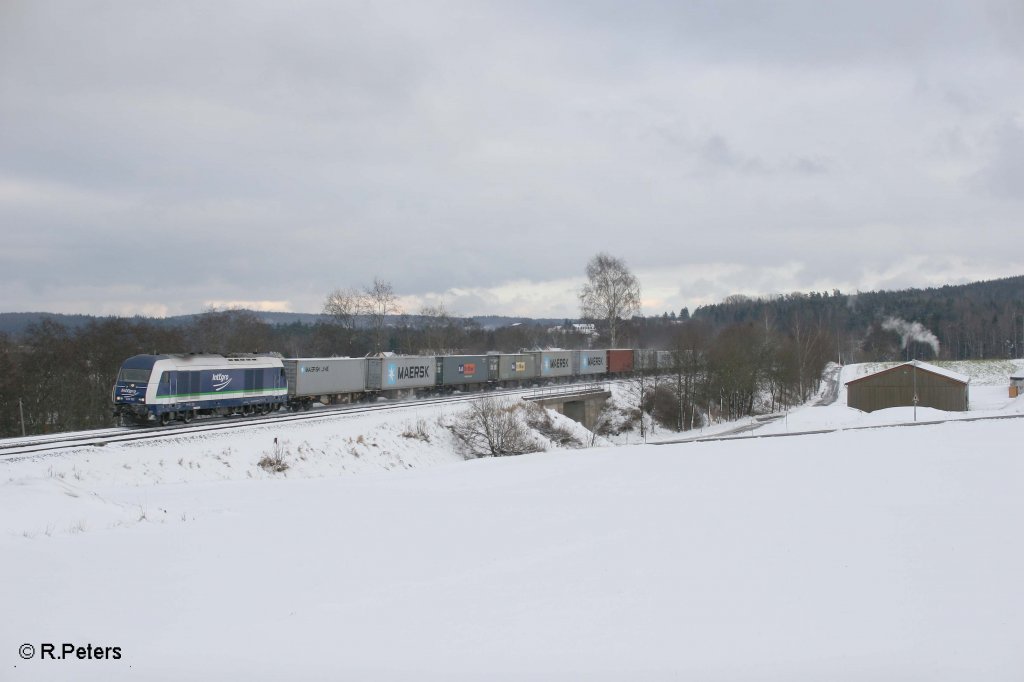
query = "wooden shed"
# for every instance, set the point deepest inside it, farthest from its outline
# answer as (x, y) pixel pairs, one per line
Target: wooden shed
(896, 386)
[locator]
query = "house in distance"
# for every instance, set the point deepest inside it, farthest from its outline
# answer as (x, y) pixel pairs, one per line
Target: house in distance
(896, 387)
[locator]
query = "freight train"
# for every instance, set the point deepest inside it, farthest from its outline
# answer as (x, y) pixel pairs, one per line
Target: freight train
(158, 389)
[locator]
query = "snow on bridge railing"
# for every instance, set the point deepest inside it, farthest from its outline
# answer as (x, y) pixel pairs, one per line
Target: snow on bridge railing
(566, 390)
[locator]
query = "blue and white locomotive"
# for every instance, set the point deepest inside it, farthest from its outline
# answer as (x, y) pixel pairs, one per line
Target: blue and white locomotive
(162, 388)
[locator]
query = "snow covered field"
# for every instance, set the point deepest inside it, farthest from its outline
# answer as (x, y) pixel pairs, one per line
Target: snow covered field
(881, 554)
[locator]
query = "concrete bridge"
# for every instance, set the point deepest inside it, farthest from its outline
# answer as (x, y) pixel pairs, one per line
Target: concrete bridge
(579, 402)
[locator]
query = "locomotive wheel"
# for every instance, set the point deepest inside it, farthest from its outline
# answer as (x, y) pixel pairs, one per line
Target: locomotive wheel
(165, 418)
(187, 416)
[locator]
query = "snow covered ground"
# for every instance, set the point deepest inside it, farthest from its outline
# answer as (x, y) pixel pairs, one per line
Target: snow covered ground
(381, 554)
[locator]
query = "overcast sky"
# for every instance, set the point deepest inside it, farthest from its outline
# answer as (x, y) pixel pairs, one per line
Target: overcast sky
(163, 157)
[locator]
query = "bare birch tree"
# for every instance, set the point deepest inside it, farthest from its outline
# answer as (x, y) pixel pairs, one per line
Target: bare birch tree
(611, 294)
(378, 301)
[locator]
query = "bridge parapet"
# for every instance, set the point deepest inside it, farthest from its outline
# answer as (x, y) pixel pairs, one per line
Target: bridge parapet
(579, 402)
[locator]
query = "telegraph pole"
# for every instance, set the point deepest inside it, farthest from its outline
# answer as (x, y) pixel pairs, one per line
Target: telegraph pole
(915, 390)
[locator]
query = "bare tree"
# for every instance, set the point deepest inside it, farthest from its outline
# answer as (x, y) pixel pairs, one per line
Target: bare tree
(378, 301)
(344, 305)
(612, 293)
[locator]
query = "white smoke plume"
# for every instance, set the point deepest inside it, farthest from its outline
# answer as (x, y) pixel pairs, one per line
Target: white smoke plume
(911, 331)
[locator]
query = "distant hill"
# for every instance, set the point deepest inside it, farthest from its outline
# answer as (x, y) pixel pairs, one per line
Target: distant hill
(15, 324)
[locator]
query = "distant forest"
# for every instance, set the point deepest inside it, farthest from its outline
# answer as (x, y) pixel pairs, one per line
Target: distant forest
(738, 357)
(970, 321)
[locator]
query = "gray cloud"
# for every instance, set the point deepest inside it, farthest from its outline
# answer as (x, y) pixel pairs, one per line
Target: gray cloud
(251, 151)
(1003, 174)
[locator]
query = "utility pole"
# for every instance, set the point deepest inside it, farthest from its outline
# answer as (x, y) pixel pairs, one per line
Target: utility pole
(915, 390)
(21, 411)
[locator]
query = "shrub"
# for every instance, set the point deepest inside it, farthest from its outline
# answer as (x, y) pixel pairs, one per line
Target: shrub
(274, 462)
(494, 427)
(417, 431)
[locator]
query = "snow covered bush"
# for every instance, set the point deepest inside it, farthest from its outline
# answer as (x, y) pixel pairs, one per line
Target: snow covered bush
(274, 462)
(417, 431)
(494, 428)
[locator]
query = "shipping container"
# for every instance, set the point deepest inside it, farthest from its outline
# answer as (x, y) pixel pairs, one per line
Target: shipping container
(620, 360)
(385, 374)
(556, 363)
(649, 359)
(590, 362)
(454, 370)
(644, 359)
(325, 376)
(519, 367)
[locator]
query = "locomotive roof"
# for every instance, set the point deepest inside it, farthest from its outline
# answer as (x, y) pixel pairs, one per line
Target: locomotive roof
(147, 361)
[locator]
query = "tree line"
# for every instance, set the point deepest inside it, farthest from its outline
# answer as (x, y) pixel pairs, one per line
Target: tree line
(58, 377)
(725, 361)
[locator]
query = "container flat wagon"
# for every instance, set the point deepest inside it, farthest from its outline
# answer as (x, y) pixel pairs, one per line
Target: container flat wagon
(517, 367)
(325, 380)
(620, 360)
(555, 364)
(404, 372)
(591, 362)
(458, 370)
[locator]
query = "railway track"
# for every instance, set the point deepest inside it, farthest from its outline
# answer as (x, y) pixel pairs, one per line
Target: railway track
(12, 449)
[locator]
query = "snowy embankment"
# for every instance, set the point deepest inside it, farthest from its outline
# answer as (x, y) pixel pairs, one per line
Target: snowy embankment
(887, 554)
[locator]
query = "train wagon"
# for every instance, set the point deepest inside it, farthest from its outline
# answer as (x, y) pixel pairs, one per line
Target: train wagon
(517, 367)
(590, 362)
(325, 380)
(552, 364)
(401, 372)
(620, 360)
(162, 388)
(650, 359)
(457, 370)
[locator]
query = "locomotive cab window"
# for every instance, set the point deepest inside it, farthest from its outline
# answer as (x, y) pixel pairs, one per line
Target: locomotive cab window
(134, 376)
